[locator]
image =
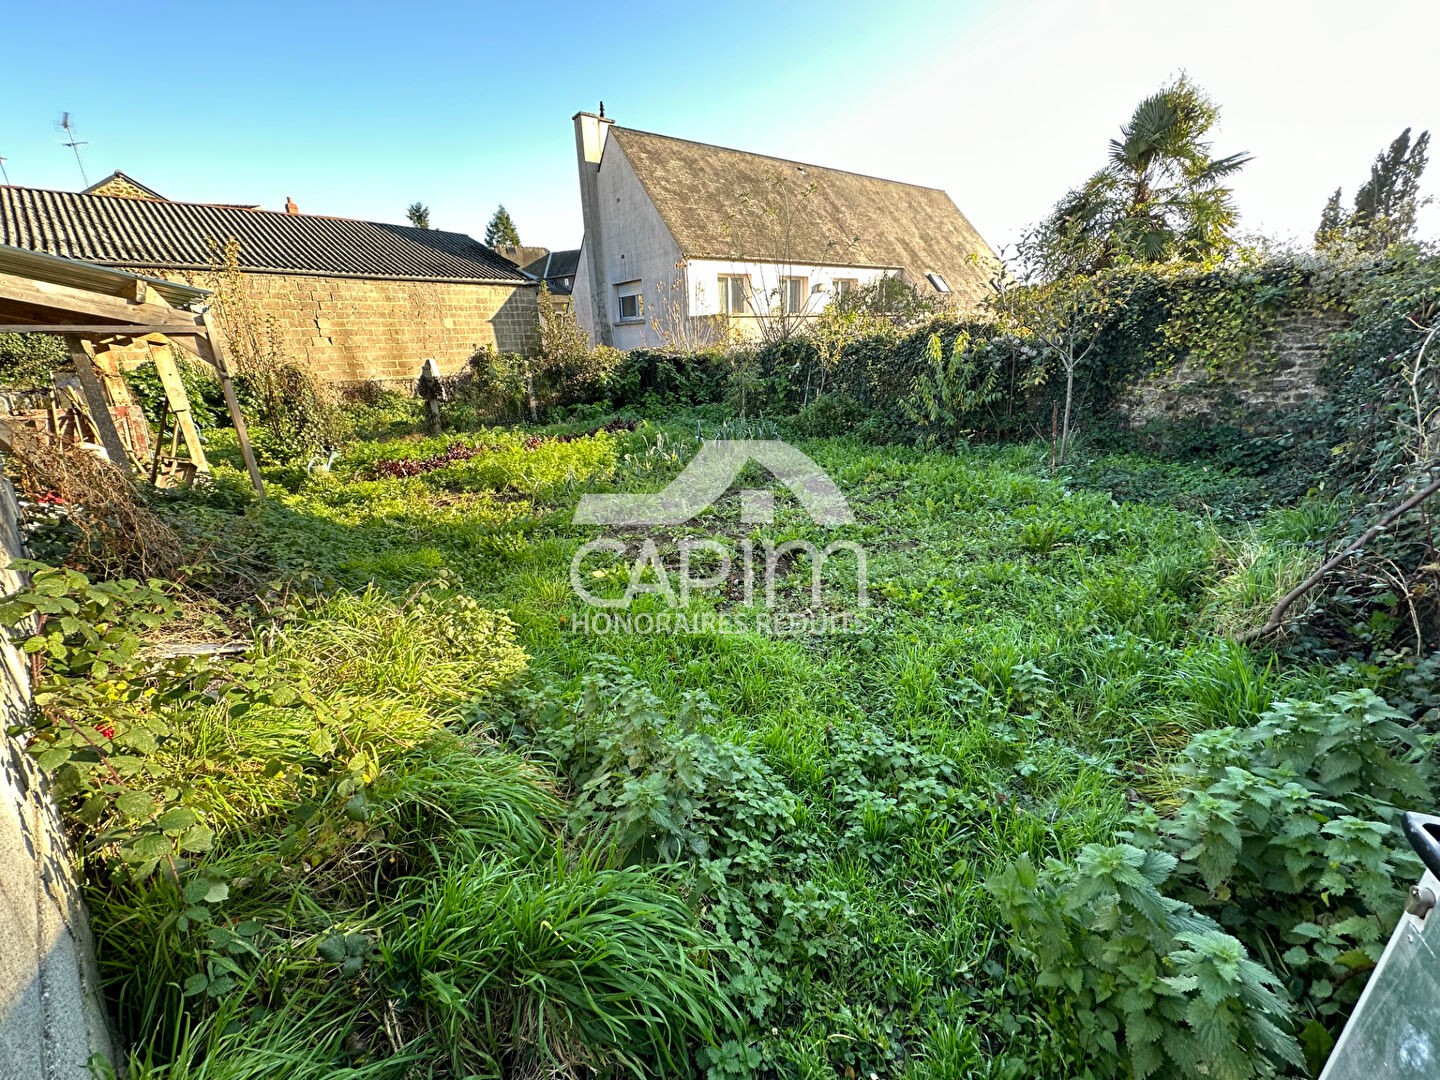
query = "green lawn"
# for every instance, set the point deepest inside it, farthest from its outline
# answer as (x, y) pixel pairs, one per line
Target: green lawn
(757, 854)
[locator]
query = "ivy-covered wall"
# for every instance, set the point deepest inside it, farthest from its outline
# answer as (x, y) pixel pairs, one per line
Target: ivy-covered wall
(1277, 374)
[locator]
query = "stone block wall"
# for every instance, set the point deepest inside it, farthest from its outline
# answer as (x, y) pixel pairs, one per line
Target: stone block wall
(357, 329)
(1276, 375)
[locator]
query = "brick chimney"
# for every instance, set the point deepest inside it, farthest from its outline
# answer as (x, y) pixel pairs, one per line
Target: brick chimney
(290, 207)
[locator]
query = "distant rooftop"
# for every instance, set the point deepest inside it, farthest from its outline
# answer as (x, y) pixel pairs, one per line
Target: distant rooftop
(150, 232)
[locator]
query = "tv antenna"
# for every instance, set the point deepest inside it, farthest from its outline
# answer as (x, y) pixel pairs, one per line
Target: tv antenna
(68, 127)
(3, 174)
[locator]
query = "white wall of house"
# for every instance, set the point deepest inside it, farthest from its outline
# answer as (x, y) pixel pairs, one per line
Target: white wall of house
(649, 294)
(765, 284)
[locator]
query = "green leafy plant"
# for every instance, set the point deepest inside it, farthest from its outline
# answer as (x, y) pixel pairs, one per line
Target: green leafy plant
(1283, 847)
(99, 719)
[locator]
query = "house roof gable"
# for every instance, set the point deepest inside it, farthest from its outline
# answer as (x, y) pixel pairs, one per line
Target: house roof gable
(123, 185)
(720, 203)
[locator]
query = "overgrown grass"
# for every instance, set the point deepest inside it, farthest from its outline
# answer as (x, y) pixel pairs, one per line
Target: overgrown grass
(752, 854)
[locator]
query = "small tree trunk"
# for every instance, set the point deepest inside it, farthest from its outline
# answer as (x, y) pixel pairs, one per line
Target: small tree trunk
(1069, 397)
(1054, 431)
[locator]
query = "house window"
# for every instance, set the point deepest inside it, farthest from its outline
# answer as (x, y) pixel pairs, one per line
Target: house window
(793, 295)
(733, 293)
(937, 281)
(845, 286)
(628, 301)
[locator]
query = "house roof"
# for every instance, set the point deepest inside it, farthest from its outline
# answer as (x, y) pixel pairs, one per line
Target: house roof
(555, 268)
(117, 231)
(720, 203)
(563, 264)
(528, 257)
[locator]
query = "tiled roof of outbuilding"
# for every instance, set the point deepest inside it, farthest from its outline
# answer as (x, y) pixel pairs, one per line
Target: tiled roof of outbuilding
(116, 231)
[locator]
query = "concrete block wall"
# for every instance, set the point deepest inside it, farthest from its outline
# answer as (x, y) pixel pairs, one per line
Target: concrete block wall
(52, 1019)
(356, 329)
(1275, 376)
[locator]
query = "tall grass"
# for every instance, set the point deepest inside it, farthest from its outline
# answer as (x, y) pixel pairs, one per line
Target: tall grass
(1037, 652)
(570, 966)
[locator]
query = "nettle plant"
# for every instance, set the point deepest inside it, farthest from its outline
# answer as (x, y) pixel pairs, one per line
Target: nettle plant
(1201, 941)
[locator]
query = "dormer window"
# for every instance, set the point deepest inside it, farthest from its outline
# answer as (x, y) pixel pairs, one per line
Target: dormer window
(938, 281)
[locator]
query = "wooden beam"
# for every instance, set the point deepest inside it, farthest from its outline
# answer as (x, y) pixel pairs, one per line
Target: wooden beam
(103, 329)
(99, 406)
(179, 404)
(217, 345)
(79, 304)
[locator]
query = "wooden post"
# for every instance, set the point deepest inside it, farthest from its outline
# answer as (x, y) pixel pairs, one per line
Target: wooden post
(99, 407)
(219, 357)
(179, 404)
(130, 419)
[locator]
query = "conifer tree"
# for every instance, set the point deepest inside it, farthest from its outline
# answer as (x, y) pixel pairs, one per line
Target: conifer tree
(1385, 205)
(501, 230)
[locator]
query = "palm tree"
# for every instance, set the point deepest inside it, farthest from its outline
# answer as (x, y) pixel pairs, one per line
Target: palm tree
(1162, 195)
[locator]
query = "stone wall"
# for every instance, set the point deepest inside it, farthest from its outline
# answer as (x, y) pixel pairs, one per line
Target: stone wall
(1276, 375)
(51, 1017)
(356, 329)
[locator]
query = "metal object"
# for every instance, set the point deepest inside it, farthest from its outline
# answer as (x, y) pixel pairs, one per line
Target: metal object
(1394, 1032)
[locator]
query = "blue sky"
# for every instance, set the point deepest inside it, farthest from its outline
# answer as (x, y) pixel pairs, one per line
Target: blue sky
(359, 109)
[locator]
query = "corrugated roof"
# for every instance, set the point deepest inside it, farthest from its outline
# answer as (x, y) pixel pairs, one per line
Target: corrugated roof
(720, 203)
(117, 231)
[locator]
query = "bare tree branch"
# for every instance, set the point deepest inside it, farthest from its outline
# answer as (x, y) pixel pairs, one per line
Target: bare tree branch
(1277, 614)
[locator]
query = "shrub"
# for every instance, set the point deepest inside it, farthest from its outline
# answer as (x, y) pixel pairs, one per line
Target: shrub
(27, 361)
(202, 388)
(1283, 847)
(644, 377)
(296, 416)
(830, 414)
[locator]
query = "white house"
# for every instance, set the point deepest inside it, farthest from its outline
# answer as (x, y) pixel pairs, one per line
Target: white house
(683, 239)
